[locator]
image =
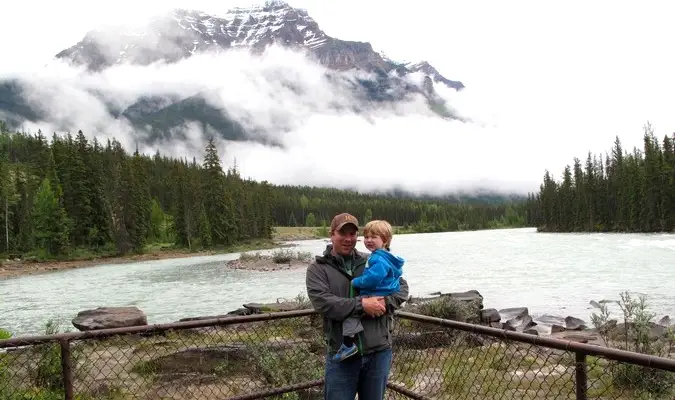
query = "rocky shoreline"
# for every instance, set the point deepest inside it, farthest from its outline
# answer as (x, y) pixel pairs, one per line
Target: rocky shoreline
(517, 319)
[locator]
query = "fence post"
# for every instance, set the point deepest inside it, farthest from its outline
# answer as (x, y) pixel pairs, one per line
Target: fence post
(580, 375)
(66, 369)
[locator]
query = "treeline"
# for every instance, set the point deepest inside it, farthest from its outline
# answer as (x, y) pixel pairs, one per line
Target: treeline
(76, 194)
(620, 192)
(310, 206)
(71, 194)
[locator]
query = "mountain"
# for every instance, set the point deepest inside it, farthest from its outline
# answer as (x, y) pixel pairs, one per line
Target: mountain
(181, 34)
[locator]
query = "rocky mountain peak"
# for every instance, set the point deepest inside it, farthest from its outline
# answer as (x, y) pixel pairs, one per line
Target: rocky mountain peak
(183, 33)
(426, 68)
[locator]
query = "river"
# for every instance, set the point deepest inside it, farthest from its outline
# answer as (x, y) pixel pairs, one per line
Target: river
(550, 273)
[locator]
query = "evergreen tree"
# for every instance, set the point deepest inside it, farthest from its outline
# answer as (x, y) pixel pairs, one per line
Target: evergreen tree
(622, 191)
(50, 225)
(310, 220)
(217, 201)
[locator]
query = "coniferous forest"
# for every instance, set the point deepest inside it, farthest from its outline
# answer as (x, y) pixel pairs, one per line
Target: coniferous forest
(69, 195)
(620, 192)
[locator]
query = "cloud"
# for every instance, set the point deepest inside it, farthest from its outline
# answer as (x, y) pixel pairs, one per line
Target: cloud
(309, 110)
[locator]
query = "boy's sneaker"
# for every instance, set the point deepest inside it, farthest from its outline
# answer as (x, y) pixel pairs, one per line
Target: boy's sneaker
(345, 352)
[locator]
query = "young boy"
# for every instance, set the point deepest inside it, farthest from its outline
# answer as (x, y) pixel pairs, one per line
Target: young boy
(380, 278)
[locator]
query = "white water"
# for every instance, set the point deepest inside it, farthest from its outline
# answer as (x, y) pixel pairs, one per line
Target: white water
(555, 274)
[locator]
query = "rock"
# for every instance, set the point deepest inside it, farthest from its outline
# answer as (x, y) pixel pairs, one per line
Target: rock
(548, 319)
(489, 315)
(200, 359)
(665, 321)
(510, 313)
(261, 308)
(655, 332)
(555, 328)
(574, 324)
(516, 319)
(235, 313)
(608, 326)
(109, 317)
(428, 382)
(236, 357)
(531, 331)
(519, 324)
(471, 296)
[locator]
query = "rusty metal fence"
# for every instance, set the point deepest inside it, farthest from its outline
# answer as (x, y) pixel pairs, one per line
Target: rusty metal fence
(281, 355)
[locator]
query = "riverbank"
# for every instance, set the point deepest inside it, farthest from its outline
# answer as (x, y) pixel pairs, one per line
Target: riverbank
(280, 237)
(15, 268)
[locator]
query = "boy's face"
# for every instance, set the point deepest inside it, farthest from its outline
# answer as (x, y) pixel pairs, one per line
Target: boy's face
(372, 242)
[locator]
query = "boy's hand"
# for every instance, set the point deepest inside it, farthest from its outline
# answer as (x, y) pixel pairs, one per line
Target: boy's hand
(373, 306)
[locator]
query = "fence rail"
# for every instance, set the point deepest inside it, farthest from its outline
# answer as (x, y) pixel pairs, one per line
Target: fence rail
(282, 354)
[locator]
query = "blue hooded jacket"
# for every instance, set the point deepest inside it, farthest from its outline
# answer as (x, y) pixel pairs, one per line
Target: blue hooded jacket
(381, 274)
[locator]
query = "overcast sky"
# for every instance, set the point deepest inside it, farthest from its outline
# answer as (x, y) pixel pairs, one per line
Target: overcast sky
(555, 79)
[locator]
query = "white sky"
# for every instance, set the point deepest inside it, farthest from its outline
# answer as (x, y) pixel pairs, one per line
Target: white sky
(555, 79)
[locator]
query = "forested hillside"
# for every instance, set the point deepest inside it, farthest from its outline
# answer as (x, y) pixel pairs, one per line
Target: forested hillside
(620, 192)
(69, 193)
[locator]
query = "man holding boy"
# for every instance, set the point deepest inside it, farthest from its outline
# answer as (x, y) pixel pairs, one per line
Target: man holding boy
(329, 289)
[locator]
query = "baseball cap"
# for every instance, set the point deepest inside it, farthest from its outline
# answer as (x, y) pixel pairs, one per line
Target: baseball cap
(343, 219)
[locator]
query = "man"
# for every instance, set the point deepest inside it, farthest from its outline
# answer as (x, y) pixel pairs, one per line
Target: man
(330, 291)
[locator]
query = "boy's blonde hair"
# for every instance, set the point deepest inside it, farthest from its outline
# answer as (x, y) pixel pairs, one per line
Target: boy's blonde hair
(380, 228)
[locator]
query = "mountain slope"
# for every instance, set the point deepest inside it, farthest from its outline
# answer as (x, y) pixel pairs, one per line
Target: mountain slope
(182, 34)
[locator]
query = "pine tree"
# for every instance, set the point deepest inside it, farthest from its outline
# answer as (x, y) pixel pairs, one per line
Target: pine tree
(50, 225)
(217, 202)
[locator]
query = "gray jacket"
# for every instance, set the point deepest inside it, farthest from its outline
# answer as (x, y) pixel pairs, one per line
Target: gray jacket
(330, 291)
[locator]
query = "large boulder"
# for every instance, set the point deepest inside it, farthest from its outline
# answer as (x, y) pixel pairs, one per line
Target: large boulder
(109, 317)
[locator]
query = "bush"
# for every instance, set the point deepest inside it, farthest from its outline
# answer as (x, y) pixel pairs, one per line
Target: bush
(635, 334)
(446, 307)
(285, 256)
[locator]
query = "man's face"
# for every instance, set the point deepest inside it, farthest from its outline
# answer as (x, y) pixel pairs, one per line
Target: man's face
(344, 240)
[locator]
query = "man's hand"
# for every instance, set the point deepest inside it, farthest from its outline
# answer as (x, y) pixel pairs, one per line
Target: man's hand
(373, 306)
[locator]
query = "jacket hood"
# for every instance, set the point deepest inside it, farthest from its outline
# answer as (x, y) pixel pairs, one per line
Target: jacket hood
(395, 260)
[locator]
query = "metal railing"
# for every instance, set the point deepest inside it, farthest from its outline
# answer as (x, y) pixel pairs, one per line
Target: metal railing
(283, 354)
(438, 358)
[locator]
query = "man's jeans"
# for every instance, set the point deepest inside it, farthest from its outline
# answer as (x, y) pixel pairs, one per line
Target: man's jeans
(366, 375)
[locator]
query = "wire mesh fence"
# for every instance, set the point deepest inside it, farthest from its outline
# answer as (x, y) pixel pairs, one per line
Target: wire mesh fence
(282, 355)
(443, 359)
(204, 362)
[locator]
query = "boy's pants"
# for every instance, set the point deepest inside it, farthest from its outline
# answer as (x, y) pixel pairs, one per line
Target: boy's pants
(351, 326)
